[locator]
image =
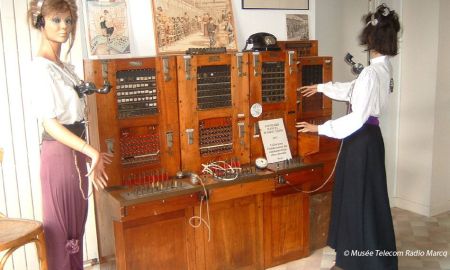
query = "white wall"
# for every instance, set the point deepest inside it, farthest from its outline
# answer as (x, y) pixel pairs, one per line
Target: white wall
(389, 121)
(338, 24)
(423, 148)
(440, 186)
(248, 21)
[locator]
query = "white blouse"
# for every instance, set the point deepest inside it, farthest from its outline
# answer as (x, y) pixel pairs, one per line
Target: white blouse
(52, 91)
(367, 95)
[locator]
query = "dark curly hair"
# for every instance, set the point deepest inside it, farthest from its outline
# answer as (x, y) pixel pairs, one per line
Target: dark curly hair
(380, 32)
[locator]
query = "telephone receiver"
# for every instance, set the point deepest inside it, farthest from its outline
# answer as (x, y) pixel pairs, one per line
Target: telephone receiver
(89, 88)
(356, 68)
(262, 41)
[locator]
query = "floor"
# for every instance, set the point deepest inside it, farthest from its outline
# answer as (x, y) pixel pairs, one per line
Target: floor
(424, 242)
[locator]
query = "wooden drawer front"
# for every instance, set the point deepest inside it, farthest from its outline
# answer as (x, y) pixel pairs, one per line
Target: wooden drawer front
(304, 176)
(305, 179)
(158, 207)
(241, 190)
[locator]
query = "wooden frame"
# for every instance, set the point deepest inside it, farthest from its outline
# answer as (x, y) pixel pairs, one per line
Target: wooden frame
(275, 4)
(179, 26)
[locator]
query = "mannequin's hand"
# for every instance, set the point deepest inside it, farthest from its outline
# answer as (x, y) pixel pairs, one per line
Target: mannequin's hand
(97, 169)
(306, 127)
(308, 91)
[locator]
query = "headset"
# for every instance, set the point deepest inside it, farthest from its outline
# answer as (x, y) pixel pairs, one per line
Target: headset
(38, 19)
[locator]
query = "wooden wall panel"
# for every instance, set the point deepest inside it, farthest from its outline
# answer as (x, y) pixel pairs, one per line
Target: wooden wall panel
(159, 242)
(319, 219)
(236, 235)
(286, 228)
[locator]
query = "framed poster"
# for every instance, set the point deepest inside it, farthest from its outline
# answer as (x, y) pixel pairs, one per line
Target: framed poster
(275, 4)
(183, 24)
(107, 28)
(297, 27)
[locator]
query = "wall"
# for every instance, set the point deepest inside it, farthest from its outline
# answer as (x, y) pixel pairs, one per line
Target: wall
(420, 112)
(390, 118)
(247, 22)
(440, 186)
(337, 28)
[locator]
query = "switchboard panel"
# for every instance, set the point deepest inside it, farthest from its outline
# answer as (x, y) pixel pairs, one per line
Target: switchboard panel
(138, 120)
(315, 109)
(273, 81)
(213, 98)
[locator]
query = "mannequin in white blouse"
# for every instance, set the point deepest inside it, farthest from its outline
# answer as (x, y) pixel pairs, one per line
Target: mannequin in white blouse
(58, 27)
(361, 93)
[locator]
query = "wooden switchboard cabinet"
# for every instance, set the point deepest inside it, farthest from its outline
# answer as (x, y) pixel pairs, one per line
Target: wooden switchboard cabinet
(273, 81)
(214, 119)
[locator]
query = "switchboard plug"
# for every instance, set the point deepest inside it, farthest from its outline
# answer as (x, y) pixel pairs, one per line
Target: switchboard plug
(281, 180)
(203, 196)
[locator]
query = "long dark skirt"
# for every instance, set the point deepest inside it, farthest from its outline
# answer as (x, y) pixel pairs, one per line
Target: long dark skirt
(64, 209)
(361, 229)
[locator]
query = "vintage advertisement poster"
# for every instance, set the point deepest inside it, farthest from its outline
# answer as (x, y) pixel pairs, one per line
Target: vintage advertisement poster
(107, 28)
(183, 24)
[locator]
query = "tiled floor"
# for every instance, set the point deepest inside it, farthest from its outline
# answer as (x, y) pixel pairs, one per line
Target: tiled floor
(416, 236)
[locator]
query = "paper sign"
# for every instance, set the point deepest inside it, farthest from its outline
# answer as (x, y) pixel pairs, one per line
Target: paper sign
(276, 145)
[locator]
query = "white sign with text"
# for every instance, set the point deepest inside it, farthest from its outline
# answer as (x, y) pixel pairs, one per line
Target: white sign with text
(276, 145)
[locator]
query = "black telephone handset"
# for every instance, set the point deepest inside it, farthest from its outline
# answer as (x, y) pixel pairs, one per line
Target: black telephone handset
(89, 88)
(262, 41)
(356, 68)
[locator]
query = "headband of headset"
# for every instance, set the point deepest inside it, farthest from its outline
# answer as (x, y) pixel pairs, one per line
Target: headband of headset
(385, 11)
(38, 19)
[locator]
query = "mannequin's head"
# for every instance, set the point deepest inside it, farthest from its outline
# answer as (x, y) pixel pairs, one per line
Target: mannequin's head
(381, 31)
(50, 16)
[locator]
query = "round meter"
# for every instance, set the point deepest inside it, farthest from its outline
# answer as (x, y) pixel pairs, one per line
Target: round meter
(256, 110)
(261, 163)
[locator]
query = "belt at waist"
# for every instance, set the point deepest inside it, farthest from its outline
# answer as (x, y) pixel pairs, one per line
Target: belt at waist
(373, 121)
(77, 128)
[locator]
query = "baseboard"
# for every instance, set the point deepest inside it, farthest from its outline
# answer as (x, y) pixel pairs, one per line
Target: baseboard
(417, 208)
(441, 208)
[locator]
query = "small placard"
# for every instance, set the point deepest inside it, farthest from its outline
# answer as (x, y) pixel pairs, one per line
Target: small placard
(276, 145)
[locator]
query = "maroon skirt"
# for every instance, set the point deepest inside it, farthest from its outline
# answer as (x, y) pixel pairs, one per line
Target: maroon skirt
(64, 208)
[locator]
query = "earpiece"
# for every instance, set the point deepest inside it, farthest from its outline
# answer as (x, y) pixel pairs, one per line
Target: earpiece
(40, 22)
(385, 11)
(89, 88)
(373, 21)
(38, 19)
(356, 68)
